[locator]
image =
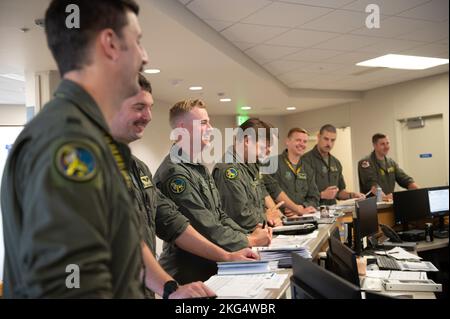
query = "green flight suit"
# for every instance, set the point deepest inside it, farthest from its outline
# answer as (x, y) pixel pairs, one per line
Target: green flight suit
(385, 173)
(297, 181)
(192, 188)
(66, 203)
(327, 172)
(158, 213)
(242, 191)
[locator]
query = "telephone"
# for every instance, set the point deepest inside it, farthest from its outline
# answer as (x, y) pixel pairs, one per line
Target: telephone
(390, 233)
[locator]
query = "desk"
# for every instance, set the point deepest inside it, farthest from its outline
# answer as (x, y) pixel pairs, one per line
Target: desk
(315, 246)
(437, 243)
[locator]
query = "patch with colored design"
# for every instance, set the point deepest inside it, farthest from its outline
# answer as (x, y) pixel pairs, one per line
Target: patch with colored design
(391, 169)
(333, 169)
(231, 173)
(146, 182)
(365, 164)
(177, 185)
(301, 176)
(76, 162)
(382, 172)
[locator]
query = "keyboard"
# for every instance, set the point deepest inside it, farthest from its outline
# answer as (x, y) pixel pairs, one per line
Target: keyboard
(387, 263)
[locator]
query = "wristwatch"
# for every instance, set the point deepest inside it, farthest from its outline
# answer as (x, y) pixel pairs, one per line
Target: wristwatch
(169, 287)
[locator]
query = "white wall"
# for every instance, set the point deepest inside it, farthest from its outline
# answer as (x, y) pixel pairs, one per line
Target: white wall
(378, 111)
(12, 114)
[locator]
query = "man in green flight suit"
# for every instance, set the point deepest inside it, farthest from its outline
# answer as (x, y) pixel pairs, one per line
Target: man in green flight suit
(377, 169)
(238, 178)
(182, 178)
(68, 229)
(158, 213)
(295, 177)
(327, 168)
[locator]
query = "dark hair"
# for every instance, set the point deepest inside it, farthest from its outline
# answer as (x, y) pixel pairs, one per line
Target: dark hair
(255, 124)
(297, 130)
(144, 83)
(69, 46)
(376, 137)
(327, 127)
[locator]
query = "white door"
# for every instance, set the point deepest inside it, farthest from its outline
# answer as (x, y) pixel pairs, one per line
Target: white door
(424, 152)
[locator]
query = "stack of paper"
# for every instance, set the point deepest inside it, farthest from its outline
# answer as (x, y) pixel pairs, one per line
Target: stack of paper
(243, 267)
(246, 286)
(282, 247)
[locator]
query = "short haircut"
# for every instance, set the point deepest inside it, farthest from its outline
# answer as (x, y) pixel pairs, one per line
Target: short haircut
(70, 46)
(377, 136)
(327, 127)
(144, 83)
(297, 130)
(255, 124)
(183, 107)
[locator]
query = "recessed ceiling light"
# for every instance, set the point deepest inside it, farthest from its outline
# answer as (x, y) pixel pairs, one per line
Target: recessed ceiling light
(196, 88)
(406, 62)
(152, 71)
(291, 108)
(245, 108)
(225, 99)
(13, 76)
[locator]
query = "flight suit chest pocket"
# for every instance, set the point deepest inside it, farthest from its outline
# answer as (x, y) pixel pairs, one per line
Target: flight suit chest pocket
(206, 195)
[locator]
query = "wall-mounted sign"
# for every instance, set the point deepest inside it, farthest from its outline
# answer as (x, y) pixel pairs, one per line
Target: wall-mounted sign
(425, 155)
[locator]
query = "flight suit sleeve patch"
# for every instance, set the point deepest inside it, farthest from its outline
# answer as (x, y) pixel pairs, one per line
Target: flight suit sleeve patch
(177, 184)
(365, 164)
(76, 161)
(231, 173)
(146, 182)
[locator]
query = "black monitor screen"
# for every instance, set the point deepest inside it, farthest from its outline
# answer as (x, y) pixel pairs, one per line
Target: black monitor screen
(343, 261)
(367, 217)
(309, 280)
(438, 200)
(411, 205)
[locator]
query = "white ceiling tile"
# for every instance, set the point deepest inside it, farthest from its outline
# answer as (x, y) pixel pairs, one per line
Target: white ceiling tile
(280, 67)
(243, 45)
(386, 46)
(338, 21)
(389, 7)
(218, 25)
(293, 77)
(269, 51)
(313, 55)
(351, 58)
(285, 15)
(394, 26)
(321, 67)
(435, 32)
(434, 50)
(321, 3)
(184, 1)
(349, 70)
(347, 43)
(251, 33)
(229, 10)
(435, 10)
(302, 38)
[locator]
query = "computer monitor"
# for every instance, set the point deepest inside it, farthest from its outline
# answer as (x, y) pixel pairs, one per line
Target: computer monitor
(366, 221)
(342, 261)
(310, 281)
(438, 203)
(411, 205)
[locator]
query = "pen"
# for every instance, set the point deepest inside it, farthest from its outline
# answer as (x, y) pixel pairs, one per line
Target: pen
(264, 225)
(368, 193)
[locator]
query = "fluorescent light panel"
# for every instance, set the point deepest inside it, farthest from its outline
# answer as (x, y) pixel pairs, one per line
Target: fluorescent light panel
(405, 62)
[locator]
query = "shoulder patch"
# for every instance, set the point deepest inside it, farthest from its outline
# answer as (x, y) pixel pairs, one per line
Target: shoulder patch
(231, 173)
(177, 184)
(76, 161)
(365, 164)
